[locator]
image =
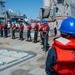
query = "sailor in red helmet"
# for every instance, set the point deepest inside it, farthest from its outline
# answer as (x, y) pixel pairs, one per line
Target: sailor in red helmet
(29, 27)
(61, 57)
(13, 30)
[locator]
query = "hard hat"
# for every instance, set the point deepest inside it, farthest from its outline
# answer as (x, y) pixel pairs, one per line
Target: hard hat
(0, 22)
(5, 21)
(13, 22)
(28, 23)
(35, 21)
(44, 21)
(68, 26)
(21, 22)
(41, 21)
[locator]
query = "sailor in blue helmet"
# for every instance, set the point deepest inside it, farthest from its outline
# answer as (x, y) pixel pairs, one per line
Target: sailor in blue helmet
(5, 30)
(61, 56)
(41, 30)
(36, 28)
(29, 27)
(45, 35)
(13, 29)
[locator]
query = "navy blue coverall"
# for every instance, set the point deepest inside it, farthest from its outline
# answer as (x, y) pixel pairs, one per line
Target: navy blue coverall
(36, 32)
(45, 38)
(21, 32)
(50, 62)
(5, 31)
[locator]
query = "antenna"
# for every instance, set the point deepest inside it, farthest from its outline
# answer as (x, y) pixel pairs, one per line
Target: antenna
(2, 6)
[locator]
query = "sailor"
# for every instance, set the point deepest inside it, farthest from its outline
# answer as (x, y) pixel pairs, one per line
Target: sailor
(36, 28)
(61, 56)
(5, 30)
(55, 31)
(45, 35)
(29, 27)
(13, 30)
(21, 28)
(41, 30)
(1, 29)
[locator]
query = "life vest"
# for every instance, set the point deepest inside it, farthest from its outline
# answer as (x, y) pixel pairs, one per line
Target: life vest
(41, 27)
(5, 26)
(65, 56)
(21, 27)
(13, 27)
(2, 26)
(36, 26)
(46, 29)
(29, 27)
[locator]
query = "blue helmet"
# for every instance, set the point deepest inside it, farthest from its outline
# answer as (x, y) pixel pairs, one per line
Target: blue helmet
(28, 23)
(68, 26)
(36, 21)
(13, 22)
(44, 21)
(41, 21)
(0, 22)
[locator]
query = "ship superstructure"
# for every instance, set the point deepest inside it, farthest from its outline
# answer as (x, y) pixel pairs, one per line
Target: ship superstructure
(2, 9)
(57, 8)
(55, 11)
(2, 6)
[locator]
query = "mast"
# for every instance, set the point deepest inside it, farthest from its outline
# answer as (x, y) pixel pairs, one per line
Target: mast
(2, 6)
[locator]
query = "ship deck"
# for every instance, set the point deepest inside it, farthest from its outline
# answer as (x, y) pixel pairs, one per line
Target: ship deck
(31, 62)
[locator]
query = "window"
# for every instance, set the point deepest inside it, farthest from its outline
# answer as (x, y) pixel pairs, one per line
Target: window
(60, 1)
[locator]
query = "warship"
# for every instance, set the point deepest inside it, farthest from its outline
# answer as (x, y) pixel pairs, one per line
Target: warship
(26, 58)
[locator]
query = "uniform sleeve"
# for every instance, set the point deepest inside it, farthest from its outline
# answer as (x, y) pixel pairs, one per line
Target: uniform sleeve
(50, 61)
(48, 29)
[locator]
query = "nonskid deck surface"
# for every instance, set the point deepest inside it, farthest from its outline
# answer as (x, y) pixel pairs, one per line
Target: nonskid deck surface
(11, 57)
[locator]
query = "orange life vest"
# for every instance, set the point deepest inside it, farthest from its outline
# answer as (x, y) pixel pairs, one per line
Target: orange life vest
(21, 27)
(65, 58)
(1, 27)
(13, 27)
(41, 27)
(45, 28)
(29, 27)
(36, 26)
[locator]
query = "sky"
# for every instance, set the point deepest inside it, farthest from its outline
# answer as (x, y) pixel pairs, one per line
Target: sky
(29, 7)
